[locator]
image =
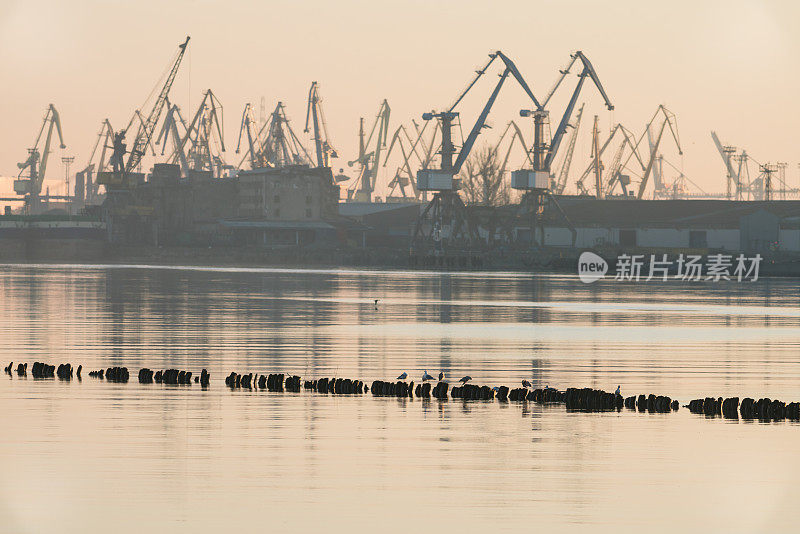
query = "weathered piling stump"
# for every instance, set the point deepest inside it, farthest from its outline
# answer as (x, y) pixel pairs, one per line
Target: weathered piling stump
(145, 376)
(117, 374)
(8, 368)
(43, 370)
(231, 380)
(64, 371)
(730, 408)
(440, 391)
(246, 380)
(205, 378)
(502, 393)
(22, 369)
(293, 383)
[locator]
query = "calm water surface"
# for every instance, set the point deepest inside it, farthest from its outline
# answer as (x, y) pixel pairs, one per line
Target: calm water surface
(93, 456)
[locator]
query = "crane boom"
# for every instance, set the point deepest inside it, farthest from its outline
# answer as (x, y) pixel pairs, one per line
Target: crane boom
(145, 132)
(726, 157)
(476, 128)
(54, 121)
(563, 173)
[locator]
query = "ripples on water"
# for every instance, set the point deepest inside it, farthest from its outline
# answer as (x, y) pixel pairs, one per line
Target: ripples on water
(85, 456)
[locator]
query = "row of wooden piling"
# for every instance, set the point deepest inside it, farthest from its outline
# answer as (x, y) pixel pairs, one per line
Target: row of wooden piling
(172, 376)
(574, 399)
(764, 409)
(337, 386)
(272, 382)
(64, 371)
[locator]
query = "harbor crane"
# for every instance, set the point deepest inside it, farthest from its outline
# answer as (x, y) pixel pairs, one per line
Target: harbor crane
(614, 173)
(147, 128)
(281, 146)
(558, 184)
(733, 186)
(249, 128)
(275, 144)
(204, 142)
(314, 113)
(105, 138)
(544, 153)
(369, 155)
(516, 138)
(404, 176)
(170, 129)
(446, 208)
(30, 186)
(667, 119)
(536, 181)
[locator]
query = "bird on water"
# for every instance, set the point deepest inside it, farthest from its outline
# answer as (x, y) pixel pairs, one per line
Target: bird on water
(526, 384)
(426, 377)
(465, 379)
(403, 376)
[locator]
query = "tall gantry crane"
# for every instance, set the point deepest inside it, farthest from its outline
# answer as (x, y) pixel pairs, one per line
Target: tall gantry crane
(544, 151)
(105, 138)
(324, 149)
(369, 155)
(614, 174)
(404, 175)
(249, 128)
(733, 187)
(30, 186)
(274, 144)
(204, 141)
(667, 119)
(146, 129)
(446, 208)
(281, 147)
(175, 128)
(515, 139)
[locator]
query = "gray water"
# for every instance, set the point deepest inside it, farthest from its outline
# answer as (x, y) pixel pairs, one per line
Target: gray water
(93, 456)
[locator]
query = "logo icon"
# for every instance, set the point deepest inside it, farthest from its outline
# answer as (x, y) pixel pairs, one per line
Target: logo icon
(591, 267)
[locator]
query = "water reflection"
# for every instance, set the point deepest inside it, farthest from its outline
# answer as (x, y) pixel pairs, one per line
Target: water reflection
(181, 458)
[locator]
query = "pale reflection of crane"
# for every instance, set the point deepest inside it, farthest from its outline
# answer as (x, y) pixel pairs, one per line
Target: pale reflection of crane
(30, 186)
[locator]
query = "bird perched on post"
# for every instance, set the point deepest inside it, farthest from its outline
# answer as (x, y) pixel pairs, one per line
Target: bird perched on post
(403, 376)
(526, 384)
(465, 379)
(441, 376)
(376, 303)
(426, 377)
(617, 392)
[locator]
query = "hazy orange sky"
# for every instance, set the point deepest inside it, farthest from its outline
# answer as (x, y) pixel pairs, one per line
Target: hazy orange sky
(723, 65)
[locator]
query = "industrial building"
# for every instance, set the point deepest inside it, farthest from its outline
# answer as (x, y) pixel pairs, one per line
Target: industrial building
(291, 205)
(754, 226)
